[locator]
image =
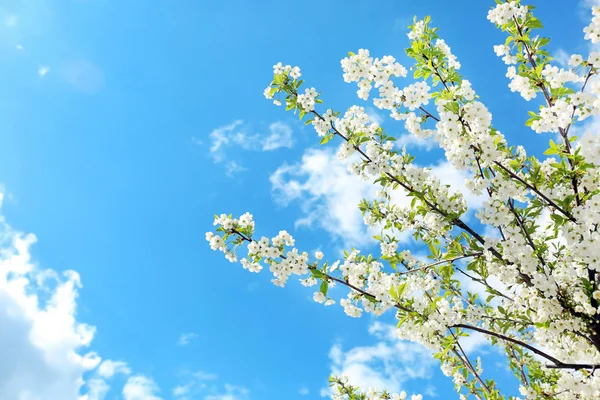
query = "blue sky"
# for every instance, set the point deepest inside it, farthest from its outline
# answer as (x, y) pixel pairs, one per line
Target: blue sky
(106, 154)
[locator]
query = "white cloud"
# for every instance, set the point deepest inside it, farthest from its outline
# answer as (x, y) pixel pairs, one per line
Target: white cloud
(374, 115)
(430, 391)
(83, 75)
(588, 129)
(198, 385)
(411, 141)
(231, 392)
(195, 384)
(280, 135)
(387, 364)
(186, 338)
(235, 134)
(43, 70)
(44, 347)
(109, 368)
(181, 390)
(303, 391)
(139, 387)
(586, 5)
(220, 139)
(402, 24)
(448, 175)
(562, 58)
(475, 287)
(40, 343)
(475, 342)
(11, 20)
(588, 132)
(546, 228)
(232, 168)
(204, 376)
(327, 192)
(97, 389)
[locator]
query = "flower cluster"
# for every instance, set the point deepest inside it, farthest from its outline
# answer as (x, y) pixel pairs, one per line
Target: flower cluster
(503, 51)
(363, 69)
(294, 72)
(445, 49)
(520, 84)
(592, 31)
(558, 77)
(343, 390)
(553, 118)
(504, 13)
(307, 100)
(416, 95)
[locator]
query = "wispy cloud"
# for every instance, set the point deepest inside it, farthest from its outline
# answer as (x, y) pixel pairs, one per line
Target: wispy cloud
(411, 141)
(11, 20)
(374, 115)
(303, 391)
(232, 168)
(200, 384)
(221, 137)
(401, 24)
(43, 70)
(584, 9)
(196, 383)
(186, 338)
(140, 387)
(83, 75)
(109, 368)
(230, 392)
(280, 135)
(430, 391)
(561, 57)
(237, 135)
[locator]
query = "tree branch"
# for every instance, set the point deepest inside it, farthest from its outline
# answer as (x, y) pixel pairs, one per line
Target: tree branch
(440, 262)
(557, 363)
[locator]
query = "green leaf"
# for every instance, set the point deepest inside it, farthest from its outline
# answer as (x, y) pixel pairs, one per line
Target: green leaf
(557, 219)
(317, 274)
(393, 292)
(401, 289)
(543, 41)
(534, 23)
(530, 121)
(279, 79)
(326, 138)
(324, 287)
